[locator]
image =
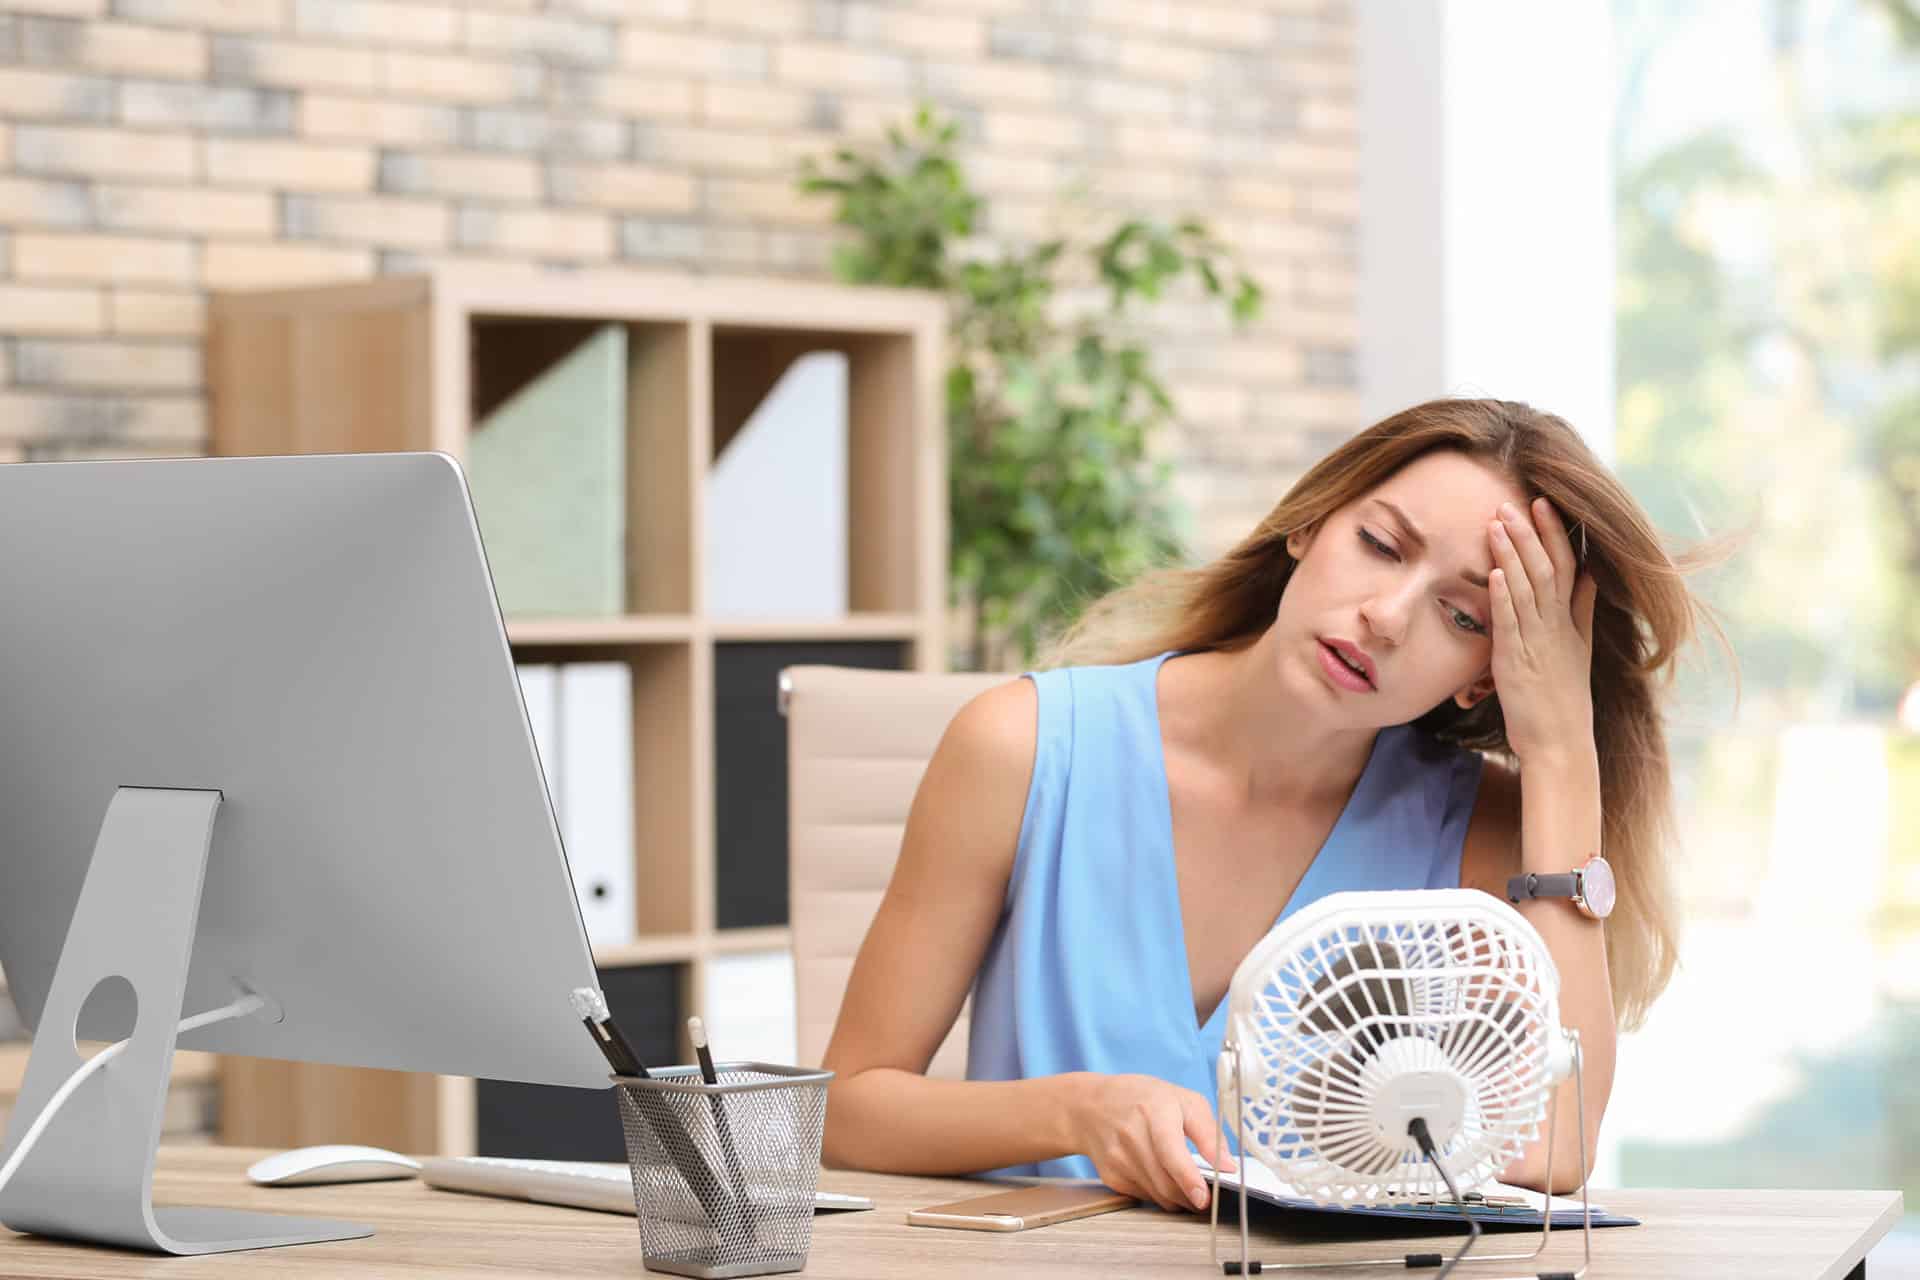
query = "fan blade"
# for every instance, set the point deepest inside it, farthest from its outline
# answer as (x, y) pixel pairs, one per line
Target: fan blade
(1365, 996)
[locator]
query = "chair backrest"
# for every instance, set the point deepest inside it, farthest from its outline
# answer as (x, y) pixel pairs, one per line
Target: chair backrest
(857, 743)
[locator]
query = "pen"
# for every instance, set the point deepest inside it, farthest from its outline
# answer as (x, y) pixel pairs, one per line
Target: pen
(616, 1054)
(592, 1008)
(612, 1029)
(697, 1032)
(665, 1126)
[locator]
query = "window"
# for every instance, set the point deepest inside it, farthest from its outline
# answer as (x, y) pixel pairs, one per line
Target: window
(1767, 161)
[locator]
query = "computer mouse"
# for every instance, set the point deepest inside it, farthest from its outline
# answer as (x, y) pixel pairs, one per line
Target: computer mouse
(307, 1165)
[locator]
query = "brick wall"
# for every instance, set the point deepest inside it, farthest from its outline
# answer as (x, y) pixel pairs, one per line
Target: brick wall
(152, 150)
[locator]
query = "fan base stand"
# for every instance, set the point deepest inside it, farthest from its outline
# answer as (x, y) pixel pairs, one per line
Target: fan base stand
(1246, 1265)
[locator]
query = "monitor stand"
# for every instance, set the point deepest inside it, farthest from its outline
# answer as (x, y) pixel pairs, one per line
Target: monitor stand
(90, 1176)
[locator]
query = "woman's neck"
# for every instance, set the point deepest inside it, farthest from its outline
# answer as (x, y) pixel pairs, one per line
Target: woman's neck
(1267, 739)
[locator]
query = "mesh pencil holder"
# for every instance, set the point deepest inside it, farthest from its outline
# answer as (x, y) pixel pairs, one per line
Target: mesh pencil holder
(724, 1174)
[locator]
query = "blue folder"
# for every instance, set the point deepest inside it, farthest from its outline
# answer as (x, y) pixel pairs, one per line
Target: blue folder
(1228, 1185)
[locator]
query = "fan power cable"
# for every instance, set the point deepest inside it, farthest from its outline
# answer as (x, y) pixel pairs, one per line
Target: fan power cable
(1417, 1130)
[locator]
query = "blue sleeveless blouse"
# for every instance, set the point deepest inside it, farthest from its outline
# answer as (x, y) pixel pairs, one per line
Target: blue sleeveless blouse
(1087, 968)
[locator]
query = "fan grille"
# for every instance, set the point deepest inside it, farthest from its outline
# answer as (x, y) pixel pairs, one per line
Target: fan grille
(1377, 1013)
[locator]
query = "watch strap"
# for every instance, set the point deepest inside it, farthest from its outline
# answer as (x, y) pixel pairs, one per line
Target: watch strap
(1565, 884)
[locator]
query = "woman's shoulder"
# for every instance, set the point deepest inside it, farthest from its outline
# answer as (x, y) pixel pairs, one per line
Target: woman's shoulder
(1000, 710)
(971, 798)
(996, 729)
(1005, 721)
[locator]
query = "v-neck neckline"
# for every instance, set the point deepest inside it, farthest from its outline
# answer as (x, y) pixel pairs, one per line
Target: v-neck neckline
(1184, 965)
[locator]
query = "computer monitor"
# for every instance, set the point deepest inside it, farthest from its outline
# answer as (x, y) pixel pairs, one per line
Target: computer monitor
(264, 709)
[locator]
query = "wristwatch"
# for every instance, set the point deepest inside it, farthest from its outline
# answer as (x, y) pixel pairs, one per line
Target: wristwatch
(1590, 885)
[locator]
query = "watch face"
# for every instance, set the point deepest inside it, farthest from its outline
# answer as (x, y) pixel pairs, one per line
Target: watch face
(1596, 886)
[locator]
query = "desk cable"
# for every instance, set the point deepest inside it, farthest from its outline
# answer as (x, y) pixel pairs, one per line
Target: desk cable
(238, 1009)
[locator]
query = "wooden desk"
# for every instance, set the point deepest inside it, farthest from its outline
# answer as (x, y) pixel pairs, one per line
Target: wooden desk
(1756, 1235)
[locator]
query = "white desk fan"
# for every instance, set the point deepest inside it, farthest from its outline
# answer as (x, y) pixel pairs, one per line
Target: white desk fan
(1392, 1047)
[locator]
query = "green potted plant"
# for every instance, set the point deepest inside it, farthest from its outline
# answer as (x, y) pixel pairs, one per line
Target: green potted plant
(1049, 406)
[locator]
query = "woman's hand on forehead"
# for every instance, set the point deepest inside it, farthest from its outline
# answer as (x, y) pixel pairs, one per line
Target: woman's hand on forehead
(1542, 632)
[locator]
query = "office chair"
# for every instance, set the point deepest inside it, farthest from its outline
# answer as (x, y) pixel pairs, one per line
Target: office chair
(857, 743)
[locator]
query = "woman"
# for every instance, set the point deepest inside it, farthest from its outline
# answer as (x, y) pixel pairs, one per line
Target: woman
(1098, 845)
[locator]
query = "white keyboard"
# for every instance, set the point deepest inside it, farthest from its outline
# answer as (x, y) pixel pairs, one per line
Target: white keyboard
(577, 1184)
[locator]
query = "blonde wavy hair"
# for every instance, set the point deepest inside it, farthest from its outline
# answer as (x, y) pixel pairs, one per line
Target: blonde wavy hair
(1643, 617)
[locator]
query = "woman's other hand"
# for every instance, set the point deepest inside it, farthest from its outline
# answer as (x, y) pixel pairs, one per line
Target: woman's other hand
(1135, 1130)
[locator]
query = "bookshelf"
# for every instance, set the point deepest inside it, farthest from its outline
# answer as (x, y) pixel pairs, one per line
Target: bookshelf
(410, 363)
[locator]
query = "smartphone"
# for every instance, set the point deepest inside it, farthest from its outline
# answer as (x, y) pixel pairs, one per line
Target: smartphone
(1022, 1207)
